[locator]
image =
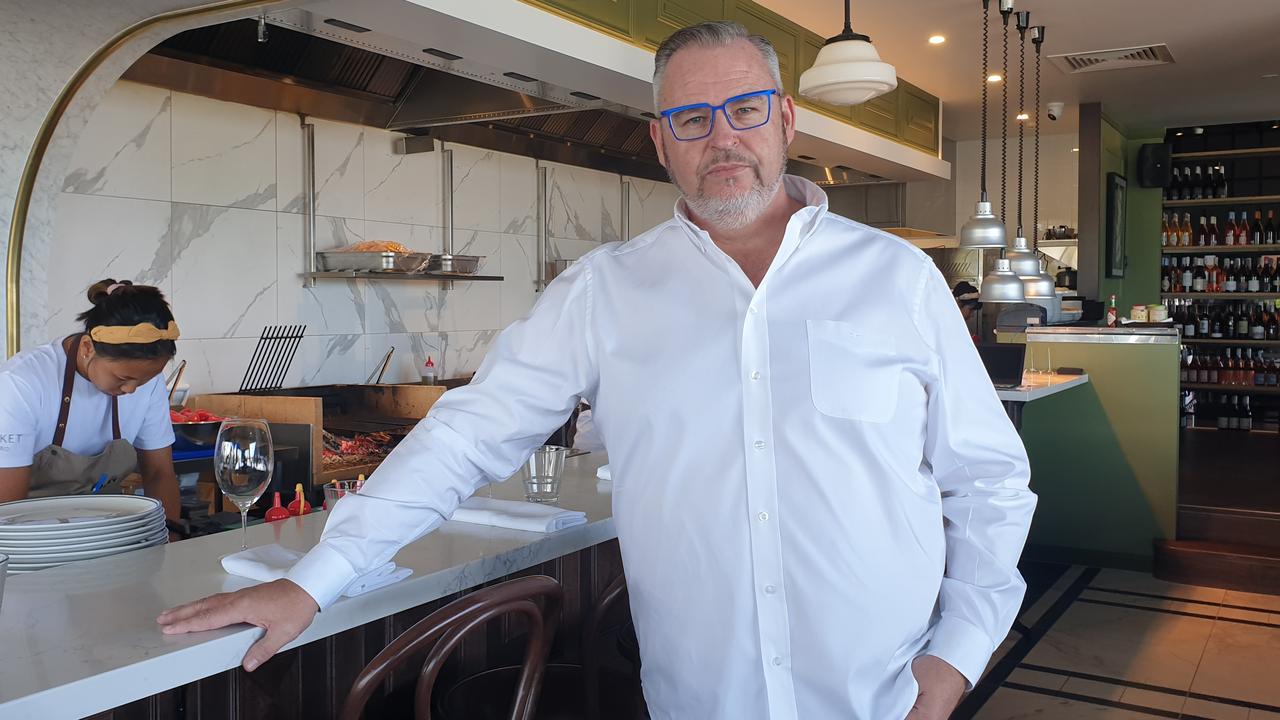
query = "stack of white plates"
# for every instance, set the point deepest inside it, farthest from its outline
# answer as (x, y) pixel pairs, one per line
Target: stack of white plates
(47, 532)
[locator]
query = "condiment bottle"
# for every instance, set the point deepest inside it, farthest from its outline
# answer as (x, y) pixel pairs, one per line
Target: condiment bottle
(429, 372)
(276, 511)
(299, 505)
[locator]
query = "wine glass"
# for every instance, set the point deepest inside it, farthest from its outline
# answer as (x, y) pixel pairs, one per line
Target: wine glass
(242, 461)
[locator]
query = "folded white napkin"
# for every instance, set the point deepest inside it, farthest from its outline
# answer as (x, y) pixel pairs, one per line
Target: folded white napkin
(517, 515)
(271, 562)
(602, 472)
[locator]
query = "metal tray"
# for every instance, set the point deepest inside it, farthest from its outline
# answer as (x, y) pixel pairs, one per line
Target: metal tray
(454, 264)
(373, 261)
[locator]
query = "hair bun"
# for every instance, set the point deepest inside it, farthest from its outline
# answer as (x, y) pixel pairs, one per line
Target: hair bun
(101, 290)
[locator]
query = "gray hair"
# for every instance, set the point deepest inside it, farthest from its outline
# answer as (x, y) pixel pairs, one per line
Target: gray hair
(712, 33)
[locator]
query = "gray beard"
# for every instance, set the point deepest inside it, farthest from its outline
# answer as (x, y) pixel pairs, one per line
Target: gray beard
(734, 213)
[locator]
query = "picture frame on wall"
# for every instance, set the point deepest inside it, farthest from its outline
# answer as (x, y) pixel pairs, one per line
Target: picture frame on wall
(1117, 188)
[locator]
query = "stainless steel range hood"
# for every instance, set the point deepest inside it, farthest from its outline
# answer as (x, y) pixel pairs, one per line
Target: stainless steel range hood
(299, 70)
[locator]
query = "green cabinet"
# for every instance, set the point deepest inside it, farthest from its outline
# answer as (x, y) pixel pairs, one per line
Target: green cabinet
(907, 115)
(784, 35)
(657, 19)
(917, 117)
(879, 114)
(613, 16)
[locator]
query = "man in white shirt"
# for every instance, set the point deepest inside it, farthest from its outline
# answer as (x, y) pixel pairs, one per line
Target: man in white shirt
(820, 501)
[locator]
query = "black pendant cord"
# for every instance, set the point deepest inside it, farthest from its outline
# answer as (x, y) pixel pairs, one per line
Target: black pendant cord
(1037, 40)
(848, 24)
(986, 22)
(1022, 124)
(1004, 126)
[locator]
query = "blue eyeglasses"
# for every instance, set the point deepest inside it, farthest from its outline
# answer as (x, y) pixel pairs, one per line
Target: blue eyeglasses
(744, 112)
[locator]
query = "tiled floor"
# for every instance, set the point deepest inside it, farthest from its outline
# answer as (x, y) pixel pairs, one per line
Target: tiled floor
(1112, 644)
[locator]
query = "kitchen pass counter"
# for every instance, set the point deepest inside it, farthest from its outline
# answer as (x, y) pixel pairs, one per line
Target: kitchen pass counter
(1041, 385)
(82, 638)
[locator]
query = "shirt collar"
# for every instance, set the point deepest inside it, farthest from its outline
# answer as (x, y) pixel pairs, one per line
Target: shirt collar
(809, 216)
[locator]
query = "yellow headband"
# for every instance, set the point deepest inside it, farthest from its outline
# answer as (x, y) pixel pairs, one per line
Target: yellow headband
(137, 334)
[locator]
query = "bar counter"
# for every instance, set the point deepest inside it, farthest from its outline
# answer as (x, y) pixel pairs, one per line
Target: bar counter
(82, 638)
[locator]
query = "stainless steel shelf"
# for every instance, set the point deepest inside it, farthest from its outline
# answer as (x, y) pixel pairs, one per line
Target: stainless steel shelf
(430, 277)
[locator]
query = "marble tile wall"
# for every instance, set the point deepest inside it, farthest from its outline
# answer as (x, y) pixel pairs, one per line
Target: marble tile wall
(204, 199)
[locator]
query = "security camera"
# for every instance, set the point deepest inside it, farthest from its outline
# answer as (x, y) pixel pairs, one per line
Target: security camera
(1056, 109)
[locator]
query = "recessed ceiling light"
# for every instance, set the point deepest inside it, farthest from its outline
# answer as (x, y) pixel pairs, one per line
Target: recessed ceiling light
(1023, 116)
(994, 78)
(1075, 149)
(1178, 134)
(1271, 76)
(936, 39)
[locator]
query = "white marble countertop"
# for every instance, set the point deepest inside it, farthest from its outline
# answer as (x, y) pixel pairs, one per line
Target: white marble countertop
(1034, 387)
(82, 638)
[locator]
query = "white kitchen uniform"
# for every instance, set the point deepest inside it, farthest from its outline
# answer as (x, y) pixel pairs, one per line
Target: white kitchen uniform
(813, 480)
(31, 395)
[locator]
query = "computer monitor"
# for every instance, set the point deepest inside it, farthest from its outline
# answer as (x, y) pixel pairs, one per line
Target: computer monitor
(1004, 362)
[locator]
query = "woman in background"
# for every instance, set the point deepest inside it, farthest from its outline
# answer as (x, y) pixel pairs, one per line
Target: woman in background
(82, 413)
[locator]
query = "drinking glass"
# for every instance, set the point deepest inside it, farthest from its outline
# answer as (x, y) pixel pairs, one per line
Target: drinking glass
(242, 461)
(542, 485)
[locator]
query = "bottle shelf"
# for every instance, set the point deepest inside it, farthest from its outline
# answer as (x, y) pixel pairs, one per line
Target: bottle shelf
(1233, 389)
(1222, 250)
(1245, 200)
(1222, 296)
(1237, 342)
(1213, 154)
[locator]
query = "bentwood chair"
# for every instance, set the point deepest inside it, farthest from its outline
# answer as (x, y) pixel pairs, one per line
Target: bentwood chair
(444, 629)
(590, 691)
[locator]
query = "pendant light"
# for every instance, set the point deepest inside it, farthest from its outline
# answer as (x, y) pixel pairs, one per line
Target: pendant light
(1002, 285)
(983, 230)
(1022, 260)
(1044, 285)
(848, 70)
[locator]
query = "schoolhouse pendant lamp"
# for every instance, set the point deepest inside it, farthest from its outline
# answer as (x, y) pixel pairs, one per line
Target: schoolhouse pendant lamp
(848, 70)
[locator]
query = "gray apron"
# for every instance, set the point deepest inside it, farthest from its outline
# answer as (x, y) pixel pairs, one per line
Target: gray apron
(58, 471)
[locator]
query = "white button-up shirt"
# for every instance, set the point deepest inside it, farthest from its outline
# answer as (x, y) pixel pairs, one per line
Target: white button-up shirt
(813, 480)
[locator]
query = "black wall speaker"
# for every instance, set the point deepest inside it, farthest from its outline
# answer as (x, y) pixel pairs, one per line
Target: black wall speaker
(1154, 166)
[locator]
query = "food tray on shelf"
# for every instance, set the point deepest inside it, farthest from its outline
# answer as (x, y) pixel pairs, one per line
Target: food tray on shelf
(373, 261)
(454, 264)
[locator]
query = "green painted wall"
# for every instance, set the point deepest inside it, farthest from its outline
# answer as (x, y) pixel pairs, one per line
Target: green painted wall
(1141, 283)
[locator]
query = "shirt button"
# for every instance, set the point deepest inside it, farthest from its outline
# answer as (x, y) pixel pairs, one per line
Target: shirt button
(777, 660)
(755, 374)
(764, 516)
(759, 444)
(769, 589)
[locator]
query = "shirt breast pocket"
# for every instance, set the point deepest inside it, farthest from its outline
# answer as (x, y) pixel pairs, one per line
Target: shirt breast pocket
(852, 375)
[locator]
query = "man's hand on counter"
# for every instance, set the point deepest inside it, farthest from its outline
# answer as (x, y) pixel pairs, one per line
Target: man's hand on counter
(281, 608)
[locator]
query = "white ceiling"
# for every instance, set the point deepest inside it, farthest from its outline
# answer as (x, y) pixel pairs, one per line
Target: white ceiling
(1221, 48)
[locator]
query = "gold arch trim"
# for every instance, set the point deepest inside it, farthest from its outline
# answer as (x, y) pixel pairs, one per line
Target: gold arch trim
(27, 181)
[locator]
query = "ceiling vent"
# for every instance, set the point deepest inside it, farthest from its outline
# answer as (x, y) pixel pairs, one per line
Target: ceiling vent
(1119, 59)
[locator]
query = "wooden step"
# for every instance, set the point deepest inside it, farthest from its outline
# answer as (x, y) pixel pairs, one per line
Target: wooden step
(1235, 566)
(1229, 525)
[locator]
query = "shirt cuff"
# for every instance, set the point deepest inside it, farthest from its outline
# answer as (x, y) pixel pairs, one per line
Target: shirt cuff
(324, 573)
(962, 646)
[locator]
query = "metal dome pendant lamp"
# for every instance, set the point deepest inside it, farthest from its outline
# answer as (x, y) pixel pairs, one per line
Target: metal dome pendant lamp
(984, 229)
(1022, 261)
(848, 70)
(1003, 285)
(1044, 284)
